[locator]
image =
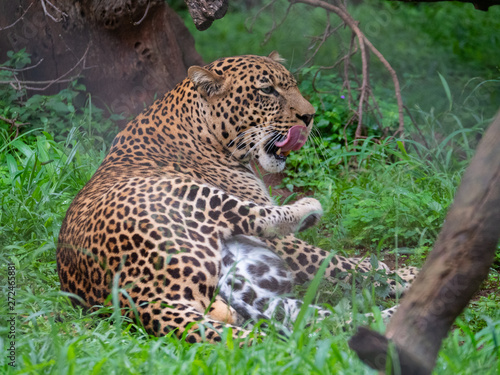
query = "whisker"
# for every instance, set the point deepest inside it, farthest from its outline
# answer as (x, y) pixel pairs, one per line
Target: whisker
(247, 140)
(319, 137)
(262, 140)
(262, 133)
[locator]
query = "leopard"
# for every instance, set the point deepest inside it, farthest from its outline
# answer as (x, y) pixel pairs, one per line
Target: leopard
(177, 186)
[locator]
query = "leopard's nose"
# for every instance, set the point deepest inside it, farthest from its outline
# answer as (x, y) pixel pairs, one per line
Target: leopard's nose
(306, 118)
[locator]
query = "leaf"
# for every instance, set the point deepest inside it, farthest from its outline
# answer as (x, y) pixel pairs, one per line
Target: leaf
(446, 90)
(289, 198)
(43, 146)
(401, 147)
(12, 165)
(23, 147)
(60, 107)
(97, 367)
(374, 261)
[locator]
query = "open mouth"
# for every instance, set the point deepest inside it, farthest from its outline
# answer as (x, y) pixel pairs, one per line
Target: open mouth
(293, 141)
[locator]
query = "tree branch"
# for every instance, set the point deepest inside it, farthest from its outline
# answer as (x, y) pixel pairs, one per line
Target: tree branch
(14, 124)
(62, 14)
(363, 42)
(19, 19)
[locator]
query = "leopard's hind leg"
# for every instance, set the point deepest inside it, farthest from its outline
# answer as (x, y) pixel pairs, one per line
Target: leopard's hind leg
(258, 284)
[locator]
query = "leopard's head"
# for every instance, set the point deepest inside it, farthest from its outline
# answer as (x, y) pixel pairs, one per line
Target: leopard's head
(254, 108)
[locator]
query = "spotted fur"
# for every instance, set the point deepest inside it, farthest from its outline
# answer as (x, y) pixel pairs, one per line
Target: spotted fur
(258, 284)
(176, 187)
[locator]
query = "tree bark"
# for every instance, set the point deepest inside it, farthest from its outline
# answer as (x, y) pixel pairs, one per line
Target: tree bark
(453, 272)
(204, 12)
(127, 50)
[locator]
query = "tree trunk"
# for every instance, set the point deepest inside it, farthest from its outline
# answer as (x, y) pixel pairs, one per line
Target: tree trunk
(127, 50)
(453, 272)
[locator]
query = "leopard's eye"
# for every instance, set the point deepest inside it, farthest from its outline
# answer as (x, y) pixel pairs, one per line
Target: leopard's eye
(267, 89)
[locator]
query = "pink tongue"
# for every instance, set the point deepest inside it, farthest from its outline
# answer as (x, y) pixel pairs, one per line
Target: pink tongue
(295, 139)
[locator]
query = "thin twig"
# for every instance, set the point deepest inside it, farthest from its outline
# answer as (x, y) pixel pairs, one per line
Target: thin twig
(353, 48)
(415, 123)
(24, 84)
(364, 88)
(22, 69)
(19, 19)
(277, 26)
(254, 18)
(63, 15)
(395, 80)
(14, 124)
(322, 40)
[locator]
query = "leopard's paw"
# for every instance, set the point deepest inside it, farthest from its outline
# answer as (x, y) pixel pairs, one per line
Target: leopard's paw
(311, 213)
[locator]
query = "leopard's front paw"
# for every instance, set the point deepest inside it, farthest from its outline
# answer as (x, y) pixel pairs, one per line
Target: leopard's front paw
(309, 221)
(312, 212)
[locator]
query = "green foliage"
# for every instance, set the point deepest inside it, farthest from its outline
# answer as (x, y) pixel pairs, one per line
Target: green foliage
(37, 174)
(394, 199)
(395, 215)
(460, 51)
(482, 309)
(335, 122)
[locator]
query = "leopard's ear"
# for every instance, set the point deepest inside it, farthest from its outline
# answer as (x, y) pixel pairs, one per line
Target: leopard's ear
(276, 57)
(206, 82)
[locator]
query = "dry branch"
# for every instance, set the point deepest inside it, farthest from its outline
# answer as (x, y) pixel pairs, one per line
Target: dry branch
(28, 85)
(329, 31)
(453, 272)
(364, 46)
(19, 19)
(61, 14)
